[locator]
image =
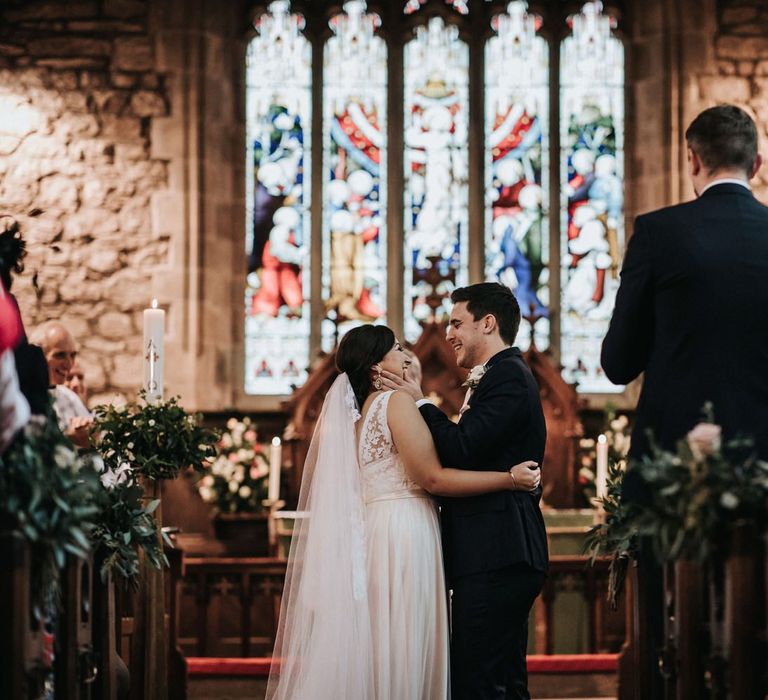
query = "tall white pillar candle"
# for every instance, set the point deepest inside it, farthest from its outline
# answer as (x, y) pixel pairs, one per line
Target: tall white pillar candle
(154, 351)
(275, 460)
(601, 473)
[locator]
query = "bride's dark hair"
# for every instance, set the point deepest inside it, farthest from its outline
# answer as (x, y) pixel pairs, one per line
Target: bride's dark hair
(358, 351)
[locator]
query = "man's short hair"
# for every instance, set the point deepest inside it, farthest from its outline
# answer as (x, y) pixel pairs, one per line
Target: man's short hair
(723, 137)
(42, 334)
(495, 299)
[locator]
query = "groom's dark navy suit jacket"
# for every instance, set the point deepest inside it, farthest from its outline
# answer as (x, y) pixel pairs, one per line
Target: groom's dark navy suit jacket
(692, 313)
(503, 426)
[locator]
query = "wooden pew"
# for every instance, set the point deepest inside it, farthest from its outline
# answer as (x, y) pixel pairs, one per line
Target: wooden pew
(22, 664)
(104, 637)
(75, 668)
(715, 626)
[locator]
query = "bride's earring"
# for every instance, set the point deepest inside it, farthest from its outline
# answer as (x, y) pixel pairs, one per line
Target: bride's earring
(377, 381)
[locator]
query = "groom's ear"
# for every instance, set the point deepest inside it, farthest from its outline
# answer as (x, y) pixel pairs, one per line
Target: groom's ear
(489, 324)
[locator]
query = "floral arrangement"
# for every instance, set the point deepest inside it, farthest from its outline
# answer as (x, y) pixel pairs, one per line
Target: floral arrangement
(157, 440)
(475, 375)
(617, 432)
(238, 478)
(140, 443)
(687, 502)
(52, 496)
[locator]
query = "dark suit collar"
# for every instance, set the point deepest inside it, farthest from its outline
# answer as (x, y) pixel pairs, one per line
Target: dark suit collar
(502, 355)
(727, 188)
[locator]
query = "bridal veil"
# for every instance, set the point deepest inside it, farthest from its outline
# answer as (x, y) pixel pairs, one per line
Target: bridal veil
(323, 644)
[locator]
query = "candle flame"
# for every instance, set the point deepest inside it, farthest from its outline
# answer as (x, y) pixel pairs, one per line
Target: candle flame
(275, 441)
(154, 303)
(602, 439)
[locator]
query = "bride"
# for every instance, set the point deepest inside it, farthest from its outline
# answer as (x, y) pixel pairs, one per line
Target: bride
(364, 612)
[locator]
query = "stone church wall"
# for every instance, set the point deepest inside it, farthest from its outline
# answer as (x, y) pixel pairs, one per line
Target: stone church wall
(120, 154)
(741, 54)
(78, 93)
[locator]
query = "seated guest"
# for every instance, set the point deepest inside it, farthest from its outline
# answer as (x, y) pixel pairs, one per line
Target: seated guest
(76, 382)
(59, 348)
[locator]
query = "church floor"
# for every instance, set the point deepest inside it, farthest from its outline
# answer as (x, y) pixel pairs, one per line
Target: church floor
(542, 686)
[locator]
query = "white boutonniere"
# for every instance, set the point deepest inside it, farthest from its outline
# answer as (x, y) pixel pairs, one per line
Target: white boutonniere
(475, 375)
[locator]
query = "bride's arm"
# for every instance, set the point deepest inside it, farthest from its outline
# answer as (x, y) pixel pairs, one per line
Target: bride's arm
(417, 450)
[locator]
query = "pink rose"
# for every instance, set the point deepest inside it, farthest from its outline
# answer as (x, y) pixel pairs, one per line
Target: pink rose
(704, 440)
(250, 435)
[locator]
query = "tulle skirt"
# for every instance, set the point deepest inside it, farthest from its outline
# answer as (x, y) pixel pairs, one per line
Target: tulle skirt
(406, 594)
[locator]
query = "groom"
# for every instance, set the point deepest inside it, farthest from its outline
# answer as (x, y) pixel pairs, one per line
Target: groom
(495, 545)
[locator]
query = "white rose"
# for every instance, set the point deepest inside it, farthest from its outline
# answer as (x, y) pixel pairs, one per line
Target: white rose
(63, 456)
(240, 474)
(244, 491)
(729, 500)
(233, 486)
(704, 440)
(243, 456)
(226, 441)
(231, 423)
(475, 375)
(206, 494)
(207, 481)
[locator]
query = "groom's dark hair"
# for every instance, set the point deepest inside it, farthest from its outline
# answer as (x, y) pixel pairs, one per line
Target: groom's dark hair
(495, 299)
(723, 137)
(358, 351)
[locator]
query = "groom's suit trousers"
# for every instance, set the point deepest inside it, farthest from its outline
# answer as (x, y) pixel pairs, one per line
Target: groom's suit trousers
(489, 633)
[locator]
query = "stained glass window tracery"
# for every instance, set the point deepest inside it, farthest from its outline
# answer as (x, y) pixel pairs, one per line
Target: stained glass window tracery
(461, 6)
(592, 215)
(278, 111)
(354, 138)
(436, 215)
(517, 164)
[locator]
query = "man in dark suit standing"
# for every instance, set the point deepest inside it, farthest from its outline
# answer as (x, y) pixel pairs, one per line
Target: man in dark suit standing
(692, 308)
(494, 545)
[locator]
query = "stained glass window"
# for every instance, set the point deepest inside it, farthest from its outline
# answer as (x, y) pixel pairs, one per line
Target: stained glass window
(278, 109)
(592, 166)
(461, 6)
(436, 122)
(517, 164)
(552, 174)
(354, 138)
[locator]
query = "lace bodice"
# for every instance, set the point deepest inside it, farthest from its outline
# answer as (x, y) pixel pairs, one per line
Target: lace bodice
(383, 473)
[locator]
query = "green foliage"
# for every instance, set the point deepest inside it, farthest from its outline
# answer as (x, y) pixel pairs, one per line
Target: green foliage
(686, 503)
(125, 526)
(695, 500)
(51, 496)
(617, 536)
(157, 440)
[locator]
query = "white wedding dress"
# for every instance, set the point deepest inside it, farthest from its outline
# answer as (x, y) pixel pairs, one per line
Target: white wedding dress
(406, 589)
(363, 614)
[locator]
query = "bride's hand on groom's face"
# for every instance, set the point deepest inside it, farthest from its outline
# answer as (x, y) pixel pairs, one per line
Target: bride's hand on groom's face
(408, 383)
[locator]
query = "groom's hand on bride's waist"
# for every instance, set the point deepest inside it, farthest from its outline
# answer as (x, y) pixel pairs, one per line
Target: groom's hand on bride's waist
(525, 476)
(407, 383)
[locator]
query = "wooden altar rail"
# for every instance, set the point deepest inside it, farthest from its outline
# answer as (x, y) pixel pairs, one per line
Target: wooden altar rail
(715, 631)
(574, 571)
(251, 580)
